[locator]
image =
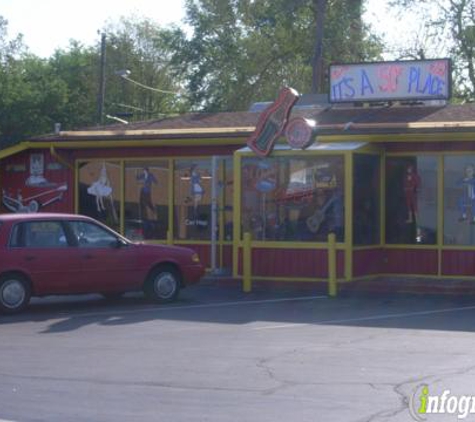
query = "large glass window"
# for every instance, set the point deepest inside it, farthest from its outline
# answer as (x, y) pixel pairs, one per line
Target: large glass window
(459, 200)
(146, 199)
(293, 198)
(99, 191)
(366, 199)
(192, 184)
(227, 188)
(411, 200)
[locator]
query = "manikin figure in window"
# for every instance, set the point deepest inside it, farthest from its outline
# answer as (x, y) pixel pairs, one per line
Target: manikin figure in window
(467, 200)
(146, 179)
(196, 188)
(412, 183)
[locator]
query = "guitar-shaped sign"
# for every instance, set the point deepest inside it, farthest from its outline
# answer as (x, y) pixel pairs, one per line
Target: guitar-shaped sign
(317, 218)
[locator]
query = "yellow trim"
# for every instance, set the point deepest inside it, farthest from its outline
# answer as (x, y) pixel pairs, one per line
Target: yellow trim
(59, 158)
(139, 143)
(410, 246)
(294, 279)
(155, 132)
(76, 187)
(440, 211)
(260, 244)
(15, 149)
(122, 197)
(171, 200)
(382, 199)
(236, 211)
(348, 229)
(406, 137)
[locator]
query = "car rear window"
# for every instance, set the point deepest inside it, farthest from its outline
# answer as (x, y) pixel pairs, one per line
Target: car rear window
(38, 234)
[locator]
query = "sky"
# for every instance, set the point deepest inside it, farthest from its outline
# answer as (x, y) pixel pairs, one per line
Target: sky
(49, 24)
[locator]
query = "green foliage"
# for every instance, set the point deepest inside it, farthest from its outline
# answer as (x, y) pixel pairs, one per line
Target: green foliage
(452, 23)
(243, 51)
(36, 93)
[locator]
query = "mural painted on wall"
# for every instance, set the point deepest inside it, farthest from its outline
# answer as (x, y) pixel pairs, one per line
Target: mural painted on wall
(192, 199)
(99, 191)
(31, 186)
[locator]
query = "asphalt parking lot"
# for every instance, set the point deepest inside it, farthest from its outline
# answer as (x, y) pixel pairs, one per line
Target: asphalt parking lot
(221, 355)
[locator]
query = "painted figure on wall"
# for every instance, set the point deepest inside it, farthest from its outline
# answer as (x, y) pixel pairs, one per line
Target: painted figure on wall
(196, 188)
(466, 202)
(412, 183)
(147, 180)
(32, 194)
(37, 168)
(101, 189)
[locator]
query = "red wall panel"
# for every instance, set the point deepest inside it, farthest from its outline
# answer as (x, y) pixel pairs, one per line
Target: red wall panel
(367, 262)
(458, 263)
(410, 261)
(302, 263)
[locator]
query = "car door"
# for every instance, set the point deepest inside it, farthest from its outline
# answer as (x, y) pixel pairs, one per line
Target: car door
(42, 250)
(109, 263)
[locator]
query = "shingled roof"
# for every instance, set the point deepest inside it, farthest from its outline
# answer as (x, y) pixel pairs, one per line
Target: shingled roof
(331, 120)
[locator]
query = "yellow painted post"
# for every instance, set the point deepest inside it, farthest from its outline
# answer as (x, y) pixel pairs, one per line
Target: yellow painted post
(332, 287)
(169, 237)
(246, 263)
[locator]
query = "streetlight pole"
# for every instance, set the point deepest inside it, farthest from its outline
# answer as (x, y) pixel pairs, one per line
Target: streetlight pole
(102, 82)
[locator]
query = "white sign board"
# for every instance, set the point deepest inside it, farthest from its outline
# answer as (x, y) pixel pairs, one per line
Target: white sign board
(390, 81)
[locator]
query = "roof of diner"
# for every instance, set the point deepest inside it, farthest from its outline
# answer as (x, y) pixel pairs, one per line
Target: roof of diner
(331, 120)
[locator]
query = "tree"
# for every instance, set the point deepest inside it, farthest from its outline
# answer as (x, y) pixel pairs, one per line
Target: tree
(28, 90)
(245, 50)
(144, 49)
(455, 22)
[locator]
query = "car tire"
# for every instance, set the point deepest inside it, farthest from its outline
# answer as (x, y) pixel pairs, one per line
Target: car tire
(163, 284)
(15, 293)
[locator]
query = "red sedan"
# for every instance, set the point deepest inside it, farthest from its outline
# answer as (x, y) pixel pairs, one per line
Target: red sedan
(45, 254)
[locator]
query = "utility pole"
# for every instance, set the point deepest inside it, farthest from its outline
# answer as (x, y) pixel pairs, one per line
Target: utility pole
(317, 60)
(102, 82)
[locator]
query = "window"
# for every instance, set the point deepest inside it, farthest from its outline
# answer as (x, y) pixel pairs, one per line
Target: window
(90, 235)
(146, 199)
(411, 200)
(366, 199)
(192, 210)
(459, 200)
(293, 198)
(41, 234)
(99, 191)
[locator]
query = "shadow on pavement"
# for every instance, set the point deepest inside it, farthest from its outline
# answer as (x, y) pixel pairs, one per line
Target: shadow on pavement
(228, 305)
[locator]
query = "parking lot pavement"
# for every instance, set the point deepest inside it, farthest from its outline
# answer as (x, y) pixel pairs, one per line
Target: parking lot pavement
(221, 355)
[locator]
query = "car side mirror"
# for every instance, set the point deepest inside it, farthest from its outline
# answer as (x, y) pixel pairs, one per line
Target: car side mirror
(118, 243)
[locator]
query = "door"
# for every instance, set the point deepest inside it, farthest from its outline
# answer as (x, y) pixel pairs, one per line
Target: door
(43, 251)
(109, 264)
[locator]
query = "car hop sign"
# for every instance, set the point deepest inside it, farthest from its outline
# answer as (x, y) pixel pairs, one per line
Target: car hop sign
(272, 122)
(409, 80)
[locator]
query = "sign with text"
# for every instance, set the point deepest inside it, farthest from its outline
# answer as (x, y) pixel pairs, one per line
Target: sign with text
(390, 81)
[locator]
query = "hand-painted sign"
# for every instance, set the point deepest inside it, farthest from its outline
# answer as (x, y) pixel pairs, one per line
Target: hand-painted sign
(386, 81)
(272, 122)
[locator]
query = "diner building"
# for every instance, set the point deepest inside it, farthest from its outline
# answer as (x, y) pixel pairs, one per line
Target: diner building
(391, 175)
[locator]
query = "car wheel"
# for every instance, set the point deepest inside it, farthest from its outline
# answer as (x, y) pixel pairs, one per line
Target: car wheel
(15, 293)
(163, 284)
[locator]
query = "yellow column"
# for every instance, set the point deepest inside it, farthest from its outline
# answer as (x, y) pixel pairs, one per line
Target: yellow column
(246, 263)
(332, 285)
